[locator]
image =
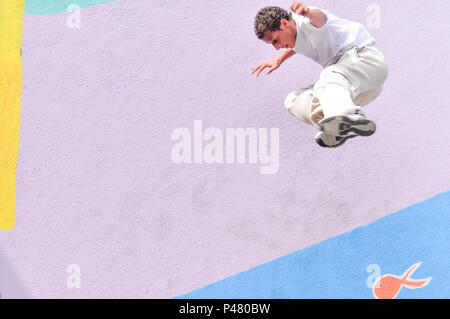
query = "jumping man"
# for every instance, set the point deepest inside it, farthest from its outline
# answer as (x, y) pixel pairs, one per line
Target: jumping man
(353, 75)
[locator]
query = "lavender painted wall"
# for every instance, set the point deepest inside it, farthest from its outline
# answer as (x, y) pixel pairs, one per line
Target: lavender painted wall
(96, 185)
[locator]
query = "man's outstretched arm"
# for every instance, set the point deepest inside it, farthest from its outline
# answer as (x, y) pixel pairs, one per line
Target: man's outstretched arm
(274, 63)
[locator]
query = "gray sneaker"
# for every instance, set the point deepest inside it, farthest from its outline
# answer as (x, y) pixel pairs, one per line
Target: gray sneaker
(331, 141)
(344, 125)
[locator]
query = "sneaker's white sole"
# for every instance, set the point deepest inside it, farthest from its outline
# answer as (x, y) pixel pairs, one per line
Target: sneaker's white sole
(344, 126)
(342, 140)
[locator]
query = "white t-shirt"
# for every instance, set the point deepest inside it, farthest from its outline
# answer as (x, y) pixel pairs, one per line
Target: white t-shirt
(327, 43)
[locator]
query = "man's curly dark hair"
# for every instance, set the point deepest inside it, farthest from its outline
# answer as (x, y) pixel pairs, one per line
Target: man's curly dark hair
(268, 20)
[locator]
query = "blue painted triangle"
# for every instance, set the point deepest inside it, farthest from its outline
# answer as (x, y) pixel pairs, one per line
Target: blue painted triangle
(346, 266)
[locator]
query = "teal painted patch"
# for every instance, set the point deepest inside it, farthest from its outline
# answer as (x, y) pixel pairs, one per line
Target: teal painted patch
(344, 266)
(57, 6)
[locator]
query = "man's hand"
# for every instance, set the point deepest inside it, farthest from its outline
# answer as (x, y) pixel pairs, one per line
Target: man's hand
(315, 16)
(272, 64)
(299, 8)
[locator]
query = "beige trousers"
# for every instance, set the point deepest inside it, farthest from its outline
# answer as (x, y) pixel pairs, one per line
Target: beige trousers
(343, 88)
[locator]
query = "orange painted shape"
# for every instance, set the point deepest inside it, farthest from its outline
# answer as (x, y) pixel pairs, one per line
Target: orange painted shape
(389, 286)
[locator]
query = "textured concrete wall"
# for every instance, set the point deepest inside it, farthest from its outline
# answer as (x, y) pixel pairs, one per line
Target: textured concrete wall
(96, 184)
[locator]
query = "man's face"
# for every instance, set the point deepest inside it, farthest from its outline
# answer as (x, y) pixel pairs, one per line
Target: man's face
(283, 39)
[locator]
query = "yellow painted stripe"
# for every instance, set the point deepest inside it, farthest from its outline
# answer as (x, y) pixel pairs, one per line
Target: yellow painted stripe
(11, 22)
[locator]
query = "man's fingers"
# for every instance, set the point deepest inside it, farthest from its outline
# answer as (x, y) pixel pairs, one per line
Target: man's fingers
(259, 72)
(273, 68)
(294, 6)
(305, 9)
(299, 8)
(261, 69)
(258, 68)
(255, 68)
